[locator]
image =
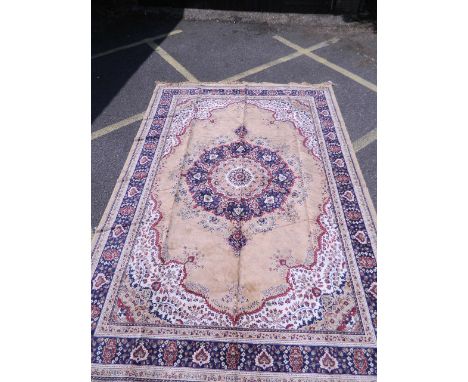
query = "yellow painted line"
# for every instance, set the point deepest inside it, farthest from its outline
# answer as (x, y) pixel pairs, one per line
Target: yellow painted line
(331, 65)
(116, 126)
(280, 60)
(144, 41)
(190, 77)
(365, 140)
(172, 61)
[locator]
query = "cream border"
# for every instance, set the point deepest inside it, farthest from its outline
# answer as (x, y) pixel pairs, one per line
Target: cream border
(219, 375)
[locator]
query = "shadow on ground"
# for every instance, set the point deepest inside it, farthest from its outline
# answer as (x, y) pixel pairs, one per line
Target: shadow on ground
(115, 25)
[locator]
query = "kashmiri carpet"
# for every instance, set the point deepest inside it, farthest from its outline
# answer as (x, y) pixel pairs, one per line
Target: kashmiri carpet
(239, 243)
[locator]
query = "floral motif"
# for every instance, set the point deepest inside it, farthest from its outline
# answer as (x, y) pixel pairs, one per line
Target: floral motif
(201, 356)
(328, 362)
(233, 355)
(360, 236)
(264, 360)
(110, 254)
(360, 361)
(373, 289)
(109, 350)
(118, 231)
(239, 177)
(139, 354)
(99, 281)
(124, 312)
(296, 359)
(241, 131)
(237, 240)
(170, 353)
(348, 195)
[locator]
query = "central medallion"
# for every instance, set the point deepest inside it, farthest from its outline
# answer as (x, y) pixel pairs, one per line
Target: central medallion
(239, 181)
(239, 177)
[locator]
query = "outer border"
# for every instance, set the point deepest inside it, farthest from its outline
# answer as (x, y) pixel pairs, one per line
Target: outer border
(121, 182)
(146, 374)
(352, 153)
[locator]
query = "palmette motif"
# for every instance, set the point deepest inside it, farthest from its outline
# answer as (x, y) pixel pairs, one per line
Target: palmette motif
(241, 242)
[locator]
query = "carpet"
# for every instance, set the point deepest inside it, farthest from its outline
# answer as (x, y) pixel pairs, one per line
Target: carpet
(239, 243)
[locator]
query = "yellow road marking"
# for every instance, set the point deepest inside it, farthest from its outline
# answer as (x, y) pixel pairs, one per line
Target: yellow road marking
(331, 65)
(239, 76)
(138, 117)
(280, 60)
(118, 125)
(144, 41)
(172, 61)
(365, 140)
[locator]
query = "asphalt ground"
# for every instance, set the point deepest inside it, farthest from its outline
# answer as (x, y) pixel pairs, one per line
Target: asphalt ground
(210, 51)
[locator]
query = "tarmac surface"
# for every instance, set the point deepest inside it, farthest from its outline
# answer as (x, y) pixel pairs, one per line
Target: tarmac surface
(210, 51)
